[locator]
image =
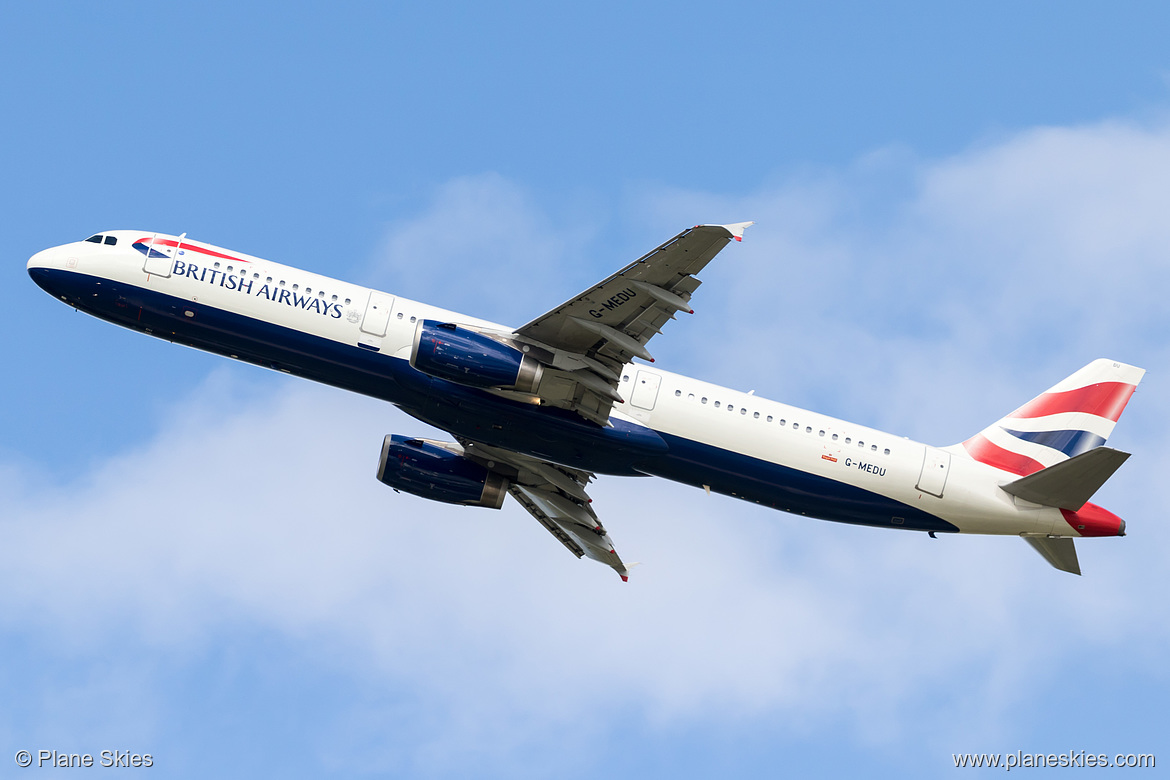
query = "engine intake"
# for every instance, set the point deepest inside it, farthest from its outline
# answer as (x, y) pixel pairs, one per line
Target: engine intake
(467, 357)
(439, 471)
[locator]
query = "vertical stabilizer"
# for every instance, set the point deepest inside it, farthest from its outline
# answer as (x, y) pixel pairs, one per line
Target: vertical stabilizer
(1070, 418)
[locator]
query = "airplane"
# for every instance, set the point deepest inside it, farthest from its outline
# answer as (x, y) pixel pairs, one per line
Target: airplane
(536, 412)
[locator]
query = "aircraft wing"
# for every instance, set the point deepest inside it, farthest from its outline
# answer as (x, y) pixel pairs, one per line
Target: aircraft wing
(556, 497)
(588, 339)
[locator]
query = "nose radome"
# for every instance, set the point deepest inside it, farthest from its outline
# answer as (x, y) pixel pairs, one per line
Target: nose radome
(40, 259)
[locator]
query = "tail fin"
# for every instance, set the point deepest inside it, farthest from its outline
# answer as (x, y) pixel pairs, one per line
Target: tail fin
(1072, 417)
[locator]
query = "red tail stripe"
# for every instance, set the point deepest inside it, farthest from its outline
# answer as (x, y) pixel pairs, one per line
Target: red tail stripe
(1106, 399)
(983, 450)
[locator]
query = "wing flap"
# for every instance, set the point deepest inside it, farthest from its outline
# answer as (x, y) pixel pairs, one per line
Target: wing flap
(554, 495)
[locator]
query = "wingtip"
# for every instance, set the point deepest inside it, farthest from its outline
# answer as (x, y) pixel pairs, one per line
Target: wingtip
(736, 229)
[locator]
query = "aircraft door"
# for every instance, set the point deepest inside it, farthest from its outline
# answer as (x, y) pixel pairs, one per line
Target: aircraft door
(936, 464)
(377, 315)
(645, 390)
(158, 262)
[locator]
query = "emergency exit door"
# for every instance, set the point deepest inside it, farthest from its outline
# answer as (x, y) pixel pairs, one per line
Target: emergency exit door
(645, 390)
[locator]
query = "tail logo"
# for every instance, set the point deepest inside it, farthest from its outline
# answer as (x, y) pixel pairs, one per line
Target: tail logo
(1073, 417)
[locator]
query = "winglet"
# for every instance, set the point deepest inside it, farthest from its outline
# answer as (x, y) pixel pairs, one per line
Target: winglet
(626, 577)
(737, 229)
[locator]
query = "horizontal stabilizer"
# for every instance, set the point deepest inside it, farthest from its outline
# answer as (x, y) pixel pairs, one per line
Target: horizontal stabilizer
(1070, 483)
(1057, 550)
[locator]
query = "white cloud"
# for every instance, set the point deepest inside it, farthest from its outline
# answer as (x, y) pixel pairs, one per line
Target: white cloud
(247, 510)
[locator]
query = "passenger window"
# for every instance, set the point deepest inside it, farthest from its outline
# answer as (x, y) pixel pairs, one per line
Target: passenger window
(757, 415)
(690, 396)
(808, 429)
(783, 421)
(677, 393)
(730, 408)
(887, 451)
(716, 404)
(347, 301)
(704, 399)
(744, 411)
(834, 437)
(861, 444)
(873, 448)
(111, 241)
(217, 265)
(848, 440)
(400, 317)
(769, 418)
(822, 433)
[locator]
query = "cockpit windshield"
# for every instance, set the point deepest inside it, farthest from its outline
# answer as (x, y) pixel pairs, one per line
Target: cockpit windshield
(100, 239)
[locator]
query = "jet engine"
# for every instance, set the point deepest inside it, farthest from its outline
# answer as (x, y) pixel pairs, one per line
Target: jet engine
(467, 357)
(439, 471)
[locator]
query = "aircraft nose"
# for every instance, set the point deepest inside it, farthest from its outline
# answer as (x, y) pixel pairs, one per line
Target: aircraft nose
(1121, 528)
(43, 266)
(39, 260)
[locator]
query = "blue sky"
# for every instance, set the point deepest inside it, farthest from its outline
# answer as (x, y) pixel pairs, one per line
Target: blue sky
(956, 208)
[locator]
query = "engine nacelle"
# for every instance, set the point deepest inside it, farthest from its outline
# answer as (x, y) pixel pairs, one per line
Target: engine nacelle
(440, 472)
(461, 355)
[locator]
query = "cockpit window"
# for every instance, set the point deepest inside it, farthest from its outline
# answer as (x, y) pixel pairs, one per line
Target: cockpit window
(94, 239)
(111, 241)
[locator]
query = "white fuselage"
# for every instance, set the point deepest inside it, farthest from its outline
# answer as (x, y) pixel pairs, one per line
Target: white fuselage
(189, 300)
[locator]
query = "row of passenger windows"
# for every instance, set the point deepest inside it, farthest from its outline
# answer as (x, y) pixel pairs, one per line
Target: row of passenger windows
(113, 241)
(784, 423)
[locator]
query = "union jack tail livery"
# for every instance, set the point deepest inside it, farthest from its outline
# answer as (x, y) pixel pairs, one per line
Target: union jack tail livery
(1070, 418)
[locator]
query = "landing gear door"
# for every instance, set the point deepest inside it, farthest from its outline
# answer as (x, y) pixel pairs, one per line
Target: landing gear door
(936, 464)
(645, 390)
